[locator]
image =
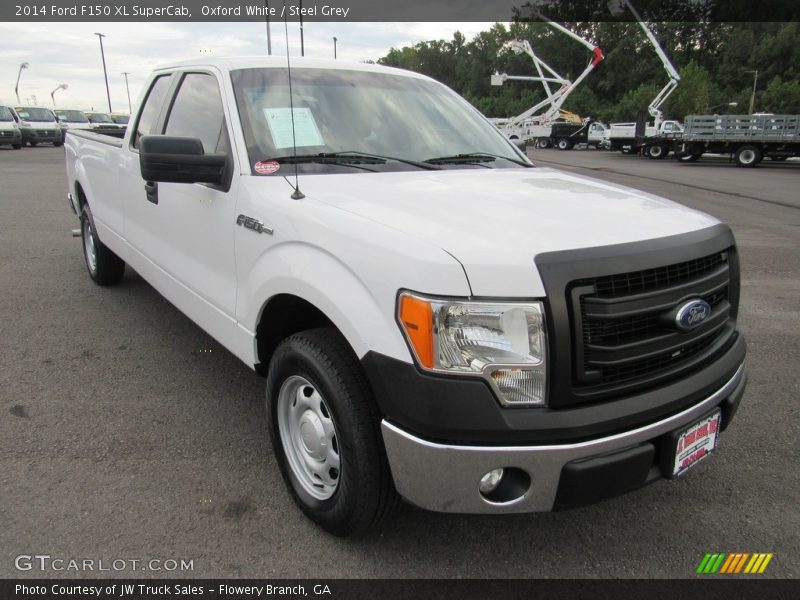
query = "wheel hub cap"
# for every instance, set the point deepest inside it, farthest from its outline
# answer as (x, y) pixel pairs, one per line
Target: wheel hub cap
(313, 435)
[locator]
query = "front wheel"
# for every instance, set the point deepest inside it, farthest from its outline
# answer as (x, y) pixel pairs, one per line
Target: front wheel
(57, 144)
(16, 146)
(325, 433)
(105, 267)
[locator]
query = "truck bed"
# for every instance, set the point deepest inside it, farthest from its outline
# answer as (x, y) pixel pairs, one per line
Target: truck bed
(730, 128)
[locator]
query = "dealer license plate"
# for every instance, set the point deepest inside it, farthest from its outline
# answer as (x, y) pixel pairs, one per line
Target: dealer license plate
(696, 443)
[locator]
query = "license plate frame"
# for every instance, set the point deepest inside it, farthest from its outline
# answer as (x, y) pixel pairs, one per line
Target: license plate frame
(695, 443)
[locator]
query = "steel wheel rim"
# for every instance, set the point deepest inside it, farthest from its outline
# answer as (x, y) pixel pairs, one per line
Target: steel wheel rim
(308, 436)
(747, 156)
(88, 246)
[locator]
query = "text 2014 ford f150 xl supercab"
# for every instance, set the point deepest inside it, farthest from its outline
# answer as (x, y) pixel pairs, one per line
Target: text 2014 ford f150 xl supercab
(436, 318)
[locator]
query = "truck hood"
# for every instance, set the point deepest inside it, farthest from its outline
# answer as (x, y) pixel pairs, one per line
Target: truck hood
(496, 221)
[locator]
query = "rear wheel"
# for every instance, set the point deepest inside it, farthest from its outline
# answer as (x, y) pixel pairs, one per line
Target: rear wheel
(325, 433)
(748, 156)
(543, 143)
(57, 144)
(105, 267)
(563, 144)
(16, 146)
(657, 151)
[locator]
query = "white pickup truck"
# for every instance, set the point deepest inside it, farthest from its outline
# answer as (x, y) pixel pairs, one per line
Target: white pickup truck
(436, 318)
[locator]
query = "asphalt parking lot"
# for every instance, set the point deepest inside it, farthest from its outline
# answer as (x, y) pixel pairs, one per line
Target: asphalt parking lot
(128, 433)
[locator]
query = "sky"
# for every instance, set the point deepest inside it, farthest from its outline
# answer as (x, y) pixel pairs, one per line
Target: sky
(70, 52)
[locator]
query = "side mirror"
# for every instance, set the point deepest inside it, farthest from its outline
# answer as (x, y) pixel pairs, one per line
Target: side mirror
(179, 160)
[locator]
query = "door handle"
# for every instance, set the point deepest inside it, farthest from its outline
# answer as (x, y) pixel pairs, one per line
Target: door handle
(151, 191)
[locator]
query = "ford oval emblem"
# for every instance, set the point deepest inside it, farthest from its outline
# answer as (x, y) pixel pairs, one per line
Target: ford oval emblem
(692, 314)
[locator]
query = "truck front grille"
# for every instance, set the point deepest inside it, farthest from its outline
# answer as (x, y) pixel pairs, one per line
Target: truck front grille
(624, 330)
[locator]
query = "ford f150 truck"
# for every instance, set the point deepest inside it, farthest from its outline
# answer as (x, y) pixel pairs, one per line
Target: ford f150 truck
(436, 318)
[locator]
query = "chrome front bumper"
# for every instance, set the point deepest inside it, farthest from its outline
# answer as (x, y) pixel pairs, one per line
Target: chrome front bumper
(444, 478)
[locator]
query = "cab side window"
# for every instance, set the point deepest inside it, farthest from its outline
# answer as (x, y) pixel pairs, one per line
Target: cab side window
(197, 112)
(151, 109)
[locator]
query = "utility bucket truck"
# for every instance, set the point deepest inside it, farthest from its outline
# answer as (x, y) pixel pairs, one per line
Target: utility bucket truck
(544, 130)
(630, 137)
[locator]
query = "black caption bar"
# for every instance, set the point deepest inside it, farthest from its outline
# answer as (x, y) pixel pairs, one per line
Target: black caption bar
(418, 589)
(392, 10)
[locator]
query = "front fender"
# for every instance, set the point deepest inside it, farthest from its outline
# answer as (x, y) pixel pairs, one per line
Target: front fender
(310, 273)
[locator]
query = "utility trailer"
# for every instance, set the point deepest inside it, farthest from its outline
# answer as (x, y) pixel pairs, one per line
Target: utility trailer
(747, 138)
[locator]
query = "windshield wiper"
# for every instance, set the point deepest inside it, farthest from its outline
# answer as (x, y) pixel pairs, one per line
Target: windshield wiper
(354, 157)
(331, 158)
(473, 157)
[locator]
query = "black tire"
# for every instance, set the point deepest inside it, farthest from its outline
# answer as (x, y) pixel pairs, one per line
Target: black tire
(106, 268)
(748, 156)
(320, 359)
(33, 144)
(657, 151)
(16, 146)
(543, 143)
(57, 144)
(563, 144)
(687, 158)
(628, 150)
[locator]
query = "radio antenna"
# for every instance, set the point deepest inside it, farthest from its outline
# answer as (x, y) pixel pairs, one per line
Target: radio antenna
(297, 194)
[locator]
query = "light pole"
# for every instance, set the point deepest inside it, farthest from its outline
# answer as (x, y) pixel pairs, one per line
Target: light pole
(753, 95)
(269, 34)
(105, 73)
(63, 86)
(16, 87)
(334, 47)
(127, 89)
(302, 44)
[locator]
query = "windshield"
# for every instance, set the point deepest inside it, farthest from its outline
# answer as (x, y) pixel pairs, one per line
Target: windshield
(32, 113)
(99, 118)
(121, 119)
(395, 117)
(72, 116)
(5, 114)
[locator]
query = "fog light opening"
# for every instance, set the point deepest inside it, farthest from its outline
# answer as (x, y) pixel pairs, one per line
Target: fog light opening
(504, 485)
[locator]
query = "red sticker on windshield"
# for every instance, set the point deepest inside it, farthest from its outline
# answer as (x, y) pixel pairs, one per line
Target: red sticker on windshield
(267, 167)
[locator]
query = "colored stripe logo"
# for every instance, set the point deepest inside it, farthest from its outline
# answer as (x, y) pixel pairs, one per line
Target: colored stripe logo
(734, 563)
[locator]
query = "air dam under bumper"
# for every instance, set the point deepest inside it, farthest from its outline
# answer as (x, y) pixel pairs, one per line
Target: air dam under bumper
(445, 477)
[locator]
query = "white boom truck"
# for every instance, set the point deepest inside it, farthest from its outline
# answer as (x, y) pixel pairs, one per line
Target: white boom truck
(629, 137)
(531, 127)
(436, 318)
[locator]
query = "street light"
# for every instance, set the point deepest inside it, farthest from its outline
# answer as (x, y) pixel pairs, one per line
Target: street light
(16, 87)
(127, 89)
(334, 47)
(716, 106)
(63, 86)
(105, 73)
(753, 95)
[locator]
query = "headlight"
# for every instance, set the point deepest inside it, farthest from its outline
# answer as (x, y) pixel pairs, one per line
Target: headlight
(503, 342)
